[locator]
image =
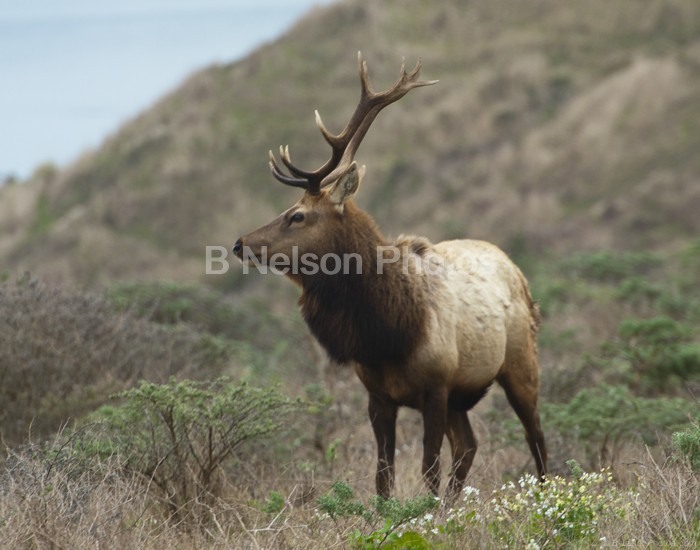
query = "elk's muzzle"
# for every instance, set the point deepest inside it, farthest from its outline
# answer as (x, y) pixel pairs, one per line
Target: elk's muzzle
(238, 248)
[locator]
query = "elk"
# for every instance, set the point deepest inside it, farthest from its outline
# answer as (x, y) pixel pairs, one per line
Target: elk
(427, 326)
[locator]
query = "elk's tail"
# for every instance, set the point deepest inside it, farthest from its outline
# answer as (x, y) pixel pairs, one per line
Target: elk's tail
(535, 317)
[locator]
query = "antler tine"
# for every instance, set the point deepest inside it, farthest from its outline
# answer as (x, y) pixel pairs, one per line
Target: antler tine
(407, 81)
(287, 160)
(332, 139)
(364, 77)
(402, 70)
(284, 178)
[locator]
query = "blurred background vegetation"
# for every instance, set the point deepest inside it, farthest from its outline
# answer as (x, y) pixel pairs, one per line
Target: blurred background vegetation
(565, 132)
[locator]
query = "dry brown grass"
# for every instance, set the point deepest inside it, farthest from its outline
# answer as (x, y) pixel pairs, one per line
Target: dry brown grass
(47, 503)
(667, 505)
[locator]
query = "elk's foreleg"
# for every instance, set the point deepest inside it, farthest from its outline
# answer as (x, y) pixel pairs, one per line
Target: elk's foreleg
(382, 415)
(434, 423)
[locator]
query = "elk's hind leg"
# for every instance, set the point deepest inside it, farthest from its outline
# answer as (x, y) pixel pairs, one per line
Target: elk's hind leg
(463, 444)
(521, 385)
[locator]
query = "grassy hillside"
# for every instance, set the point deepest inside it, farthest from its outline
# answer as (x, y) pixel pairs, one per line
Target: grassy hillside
(554, 126)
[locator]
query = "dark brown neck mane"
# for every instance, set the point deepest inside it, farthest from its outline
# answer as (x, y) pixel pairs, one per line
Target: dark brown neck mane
(370, 318)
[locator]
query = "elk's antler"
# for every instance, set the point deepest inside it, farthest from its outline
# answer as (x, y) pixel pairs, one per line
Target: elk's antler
(345, 144)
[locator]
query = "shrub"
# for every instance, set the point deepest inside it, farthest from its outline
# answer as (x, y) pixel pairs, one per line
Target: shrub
(274, 503)
(172, 303)
(690, 266)
(63, 352)
(610, 266)
(638, 290)
(659, 352)
(601, 418)
(393, 515)
(687, 442)
(179, 435)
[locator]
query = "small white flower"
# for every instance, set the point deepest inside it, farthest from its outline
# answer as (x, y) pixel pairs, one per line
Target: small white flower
(469, 491)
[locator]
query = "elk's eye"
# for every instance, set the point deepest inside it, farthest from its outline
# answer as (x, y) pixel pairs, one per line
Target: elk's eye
(297, 217)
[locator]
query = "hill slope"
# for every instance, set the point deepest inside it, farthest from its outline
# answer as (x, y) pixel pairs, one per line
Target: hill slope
(555, 126)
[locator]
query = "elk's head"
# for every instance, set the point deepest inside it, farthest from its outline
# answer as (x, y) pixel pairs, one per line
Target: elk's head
(322, 212)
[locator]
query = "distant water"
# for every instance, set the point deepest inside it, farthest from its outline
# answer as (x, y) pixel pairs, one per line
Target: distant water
(69, 77)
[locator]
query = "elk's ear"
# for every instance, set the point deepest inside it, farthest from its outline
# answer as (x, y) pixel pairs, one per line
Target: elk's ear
(346, 186)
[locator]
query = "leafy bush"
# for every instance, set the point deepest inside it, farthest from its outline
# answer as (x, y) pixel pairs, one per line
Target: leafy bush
(638, 289)
(661, 298)
(687, 442)
(274, 503)
(340, 502)
(659, 352)
(172, 303)
(601, 418)
(690, 266)
(658, 331)
(179, 435)
(610, 266)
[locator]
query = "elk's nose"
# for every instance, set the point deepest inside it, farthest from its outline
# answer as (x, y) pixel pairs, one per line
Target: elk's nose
(238, 247)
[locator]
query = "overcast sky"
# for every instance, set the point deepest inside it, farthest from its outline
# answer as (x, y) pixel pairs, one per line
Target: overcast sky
(72, 70)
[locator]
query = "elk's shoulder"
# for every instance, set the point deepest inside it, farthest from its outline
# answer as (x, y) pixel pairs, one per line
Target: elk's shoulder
(417, 245)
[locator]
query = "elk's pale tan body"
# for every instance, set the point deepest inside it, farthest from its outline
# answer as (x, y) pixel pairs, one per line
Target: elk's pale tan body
(428, 326)
(479, 313)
